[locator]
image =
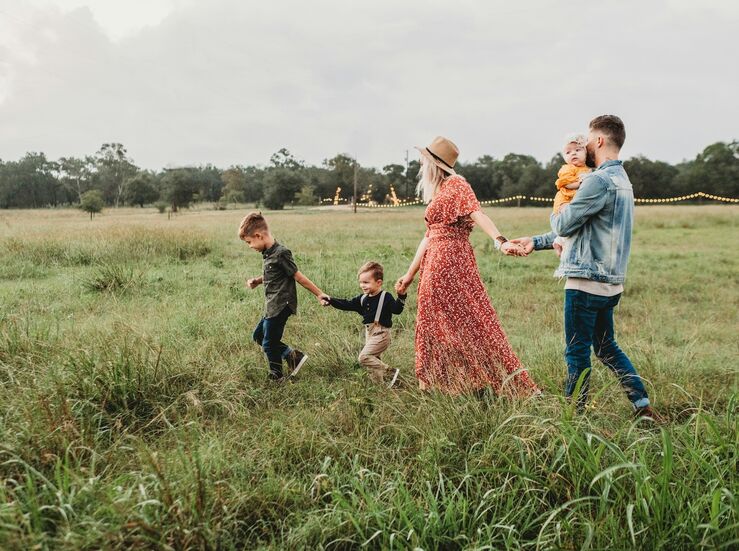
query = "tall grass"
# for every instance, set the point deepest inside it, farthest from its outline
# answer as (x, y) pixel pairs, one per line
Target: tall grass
(141, 417)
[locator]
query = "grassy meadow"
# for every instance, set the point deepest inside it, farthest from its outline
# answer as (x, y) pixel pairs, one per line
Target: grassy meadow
(135, 411)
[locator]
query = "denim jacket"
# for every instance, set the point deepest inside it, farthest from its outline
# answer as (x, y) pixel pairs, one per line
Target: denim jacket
(599, 221)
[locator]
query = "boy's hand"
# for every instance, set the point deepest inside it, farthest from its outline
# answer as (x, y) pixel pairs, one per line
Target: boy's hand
(324, 299)
(253, 282)
(557, 248)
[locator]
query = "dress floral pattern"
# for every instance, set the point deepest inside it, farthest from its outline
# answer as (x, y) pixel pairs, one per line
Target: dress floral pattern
(460, 345)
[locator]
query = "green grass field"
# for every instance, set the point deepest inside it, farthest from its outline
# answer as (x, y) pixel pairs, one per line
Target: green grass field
(135, 412)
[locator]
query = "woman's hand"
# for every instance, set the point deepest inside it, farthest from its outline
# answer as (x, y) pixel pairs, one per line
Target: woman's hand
(401, 286)
(512, 249)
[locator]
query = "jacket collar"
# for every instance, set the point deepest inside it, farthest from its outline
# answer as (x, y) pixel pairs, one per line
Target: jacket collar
(612, 162)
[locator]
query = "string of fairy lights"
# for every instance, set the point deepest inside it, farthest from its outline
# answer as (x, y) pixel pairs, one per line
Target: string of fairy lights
(365, 201)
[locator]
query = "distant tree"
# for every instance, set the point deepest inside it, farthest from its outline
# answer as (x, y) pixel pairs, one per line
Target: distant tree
(30, 182)
(510, 171)
(208, 181)
(254, 183)
(179, 187)
(141, 189)
(481, 176)
(284, 159)
(411, 178)
(306, 195)
(280, 187)
(114, 169)
(234, 185)
(377, 185)
(340, 173)
(548, 177)
(92, 202)
(394, 175)
(715, 171)
(77, 174)
(651, 179)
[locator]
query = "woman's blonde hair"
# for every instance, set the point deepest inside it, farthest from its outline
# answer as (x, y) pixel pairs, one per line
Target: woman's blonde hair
(430, 178)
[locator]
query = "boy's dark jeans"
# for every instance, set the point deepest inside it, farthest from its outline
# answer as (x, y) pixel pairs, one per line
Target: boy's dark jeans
(268, 334)
(589, 322)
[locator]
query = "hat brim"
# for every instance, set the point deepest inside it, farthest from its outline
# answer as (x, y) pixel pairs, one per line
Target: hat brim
(438, 163)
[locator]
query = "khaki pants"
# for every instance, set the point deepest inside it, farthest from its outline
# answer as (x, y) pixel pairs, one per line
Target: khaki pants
(377, 341)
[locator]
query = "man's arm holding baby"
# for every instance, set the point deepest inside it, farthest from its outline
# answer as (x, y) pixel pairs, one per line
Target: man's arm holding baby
(589, 200)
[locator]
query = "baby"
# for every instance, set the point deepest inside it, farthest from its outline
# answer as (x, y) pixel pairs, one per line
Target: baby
(570, 177)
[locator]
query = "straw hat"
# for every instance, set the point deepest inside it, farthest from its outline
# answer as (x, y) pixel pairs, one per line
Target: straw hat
(442, 152)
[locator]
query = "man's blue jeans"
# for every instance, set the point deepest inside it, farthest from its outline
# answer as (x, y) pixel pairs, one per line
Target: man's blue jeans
(589, 322)
(268, 334)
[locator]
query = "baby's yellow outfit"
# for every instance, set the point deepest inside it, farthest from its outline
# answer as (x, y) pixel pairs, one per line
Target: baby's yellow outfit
(567, 175)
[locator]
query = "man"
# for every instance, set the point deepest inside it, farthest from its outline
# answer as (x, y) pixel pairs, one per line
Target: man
(598, 221)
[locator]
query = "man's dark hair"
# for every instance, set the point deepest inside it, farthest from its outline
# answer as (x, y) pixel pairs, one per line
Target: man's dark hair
(612, 126)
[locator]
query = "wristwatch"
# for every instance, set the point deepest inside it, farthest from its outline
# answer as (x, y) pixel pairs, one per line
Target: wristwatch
(500, 239)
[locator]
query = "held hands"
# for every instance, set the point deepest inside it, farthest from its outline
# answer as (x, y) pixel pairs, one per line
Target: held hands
(525, 244)
(512, 249)
(401, 286)
(324, 299)
(557, 248)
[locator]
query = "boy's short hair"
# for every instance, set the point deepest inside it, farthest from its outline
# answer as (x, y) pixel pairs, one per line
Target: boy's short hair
(374, 267)
(252, 223)
(612, 126)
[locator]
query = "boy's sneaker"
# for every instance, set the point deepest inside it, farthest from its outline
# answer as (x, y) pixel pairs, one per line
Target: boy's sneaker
(295, 361)
(394, 379)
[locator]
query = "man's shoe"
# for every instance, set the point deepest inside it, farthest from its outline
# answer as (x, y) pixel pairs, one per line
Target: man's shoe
(647, 412)
(394, 378)
(295, 361)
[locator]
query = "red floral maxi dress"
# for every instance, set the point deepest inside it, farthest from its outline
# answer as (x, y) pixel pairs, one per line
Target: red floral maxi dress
(460, 345)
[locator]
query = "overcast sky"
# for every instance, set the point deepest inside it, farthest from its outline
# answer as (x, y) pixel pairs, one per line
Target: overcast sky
(232, 81)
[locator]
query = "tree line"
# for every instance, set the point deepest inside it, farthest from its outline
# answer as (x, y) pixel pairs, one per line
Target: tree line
(110, 177)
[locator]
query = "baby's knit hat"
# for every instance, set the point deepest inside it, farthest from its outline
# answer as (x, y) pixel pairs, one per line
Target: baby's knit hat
(579, 139)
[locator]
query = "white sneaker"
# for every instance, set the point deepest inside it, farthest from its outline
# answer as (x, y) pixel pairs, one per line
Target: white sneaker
(296, 360)
(395, 378)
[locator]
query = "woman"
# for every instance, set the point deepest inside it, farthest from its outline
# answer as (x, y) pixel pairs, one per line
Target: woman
(460, 345)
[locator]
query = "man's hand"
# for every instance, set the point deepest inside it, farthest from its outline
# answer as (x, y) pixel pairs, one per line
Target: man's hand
(526, 243)
(253, 282)
(512, 249)
(324, 299)
(557, 248)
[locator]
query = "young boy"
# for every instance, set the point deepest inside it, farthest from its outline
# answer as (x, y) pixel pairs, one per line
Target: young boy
(280, 295)
(377, 308)
(569, 178)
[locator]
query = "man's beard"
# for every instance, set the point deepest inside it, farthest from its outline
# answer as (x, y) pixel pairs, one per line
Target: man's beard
(589, 157)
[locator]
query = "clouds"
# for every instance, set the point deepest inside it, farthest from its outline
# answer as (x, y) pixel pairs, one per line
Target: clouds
(232, 82)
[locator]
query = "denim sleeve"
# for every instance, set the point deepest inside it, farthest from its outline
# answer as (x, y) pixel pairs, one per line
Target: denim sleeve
(590, 199)
(544, 241)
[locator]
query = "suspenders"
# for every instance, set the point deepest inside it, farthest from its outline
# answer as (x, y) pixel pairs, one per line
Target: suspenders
(379, 304)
